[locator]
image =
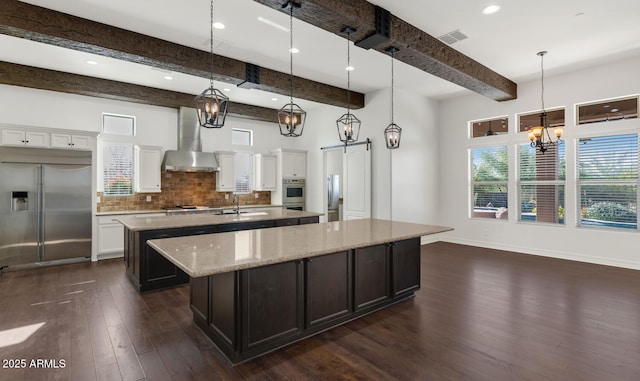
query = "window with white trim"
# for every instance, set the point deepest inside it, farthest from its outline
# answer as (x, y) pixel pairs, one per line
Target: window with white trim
(489, 182)
(240, 137)
(243, 164)
(118, 169)
(608, 181)
(541, 186)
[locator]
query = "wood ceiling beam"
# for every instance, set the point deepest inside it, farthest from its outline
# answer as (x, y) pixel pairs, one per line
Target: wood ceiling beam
(39, 24)
(44, 79)
(416, 48)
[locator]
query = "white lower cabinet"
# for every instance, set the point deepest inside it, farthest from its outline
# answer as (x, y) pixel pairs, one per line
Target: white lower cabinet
(111, 234)
(110, 237)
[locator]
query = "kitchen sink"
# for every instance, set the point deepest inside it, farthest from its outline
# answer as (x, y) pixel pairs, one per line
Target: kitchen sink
(250, 214)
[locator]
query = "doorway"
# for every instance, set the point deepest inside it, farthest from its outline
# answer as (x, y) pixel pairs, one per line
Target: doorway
(347, 178)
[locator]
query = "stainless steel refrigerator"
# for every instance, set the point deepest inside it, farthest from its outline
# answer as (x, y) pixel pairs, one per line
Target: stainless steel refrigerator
(45, 213)
(333, 197)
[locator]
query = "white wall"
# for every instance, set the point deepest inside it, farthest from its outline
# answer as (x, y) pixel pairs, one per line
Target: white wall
(616, 248)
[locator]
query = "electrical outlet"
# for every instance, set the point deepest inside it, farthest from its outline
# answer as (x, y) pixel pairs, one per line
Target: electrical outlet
(98, 199)
(148, 198)
(226, 196)
(256, 195)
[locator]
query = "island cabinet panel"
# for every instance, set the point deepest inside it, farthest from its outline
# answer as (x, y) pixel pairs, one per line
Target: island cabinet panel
(371, 276)
(272, 305)
(222, 311)
(148, 269)
(405, 266)
(329, 294)
(309, 220)
(245, 226)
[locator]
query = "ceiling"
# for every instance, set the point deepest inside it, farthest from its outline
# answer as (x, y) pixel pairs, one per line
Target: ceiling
(576, 33)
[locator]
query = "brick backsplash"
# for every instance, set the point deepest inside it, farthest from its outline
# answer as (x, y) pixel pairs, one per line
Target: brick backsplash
(180, 188)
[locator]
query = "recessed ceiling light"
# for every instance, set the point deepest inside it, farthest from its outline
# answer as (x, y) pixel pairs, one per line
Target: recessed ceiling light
(614, 110)
(491, 9)
(218, 25)
(168, 77)
(606, 106)
(90, 62)
(274, 99)
(294, 50)
(226, 89)
(349, 68)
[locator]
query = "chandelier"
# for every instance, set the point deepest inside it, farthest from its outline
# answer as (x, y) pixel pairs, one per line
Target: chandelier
(348, 124)
(211, 105)
(393, 132)
(291, 117)
(541, 136)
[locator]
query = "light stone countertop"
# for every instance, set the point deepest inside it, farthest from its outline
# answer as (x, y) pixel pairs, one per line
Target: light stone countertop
(142, 223)
(151, 211)
(208, 254)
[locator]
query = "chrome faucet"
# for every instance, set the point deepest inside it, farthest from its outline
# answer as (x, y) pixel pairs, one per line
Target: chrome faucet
(236, 200)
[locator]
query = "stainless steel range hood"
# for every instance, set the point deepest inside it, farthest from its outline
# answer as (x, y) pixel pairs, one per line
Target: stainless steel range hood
(189, 156)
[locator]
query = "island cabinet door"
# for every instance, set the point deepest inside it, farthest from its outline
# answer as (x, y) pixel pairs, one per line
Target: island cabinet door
(272, 305)
(405, 266)
(371, 276)
(329, 291)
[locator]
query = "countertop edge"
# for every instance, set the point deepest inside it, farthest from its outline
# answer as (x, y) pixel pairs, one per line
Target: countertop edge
(253, 263)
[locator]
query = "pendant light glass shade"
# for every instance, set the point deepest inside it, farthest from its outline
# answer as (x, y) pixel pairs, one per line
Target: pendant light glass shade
(348, 124)
(540, 136)
(393, 132)
(211, 105)
(291, 117)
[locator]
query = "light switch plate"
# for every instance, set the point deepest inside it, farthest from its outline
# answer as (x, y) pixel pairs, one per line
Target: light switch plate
(148, 198)
(256, 195)
(226, 196)
(98, 199)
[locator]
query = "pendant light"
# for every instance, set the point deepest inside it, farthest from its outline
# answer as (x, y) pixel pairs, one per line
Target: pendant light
(539, 135)
(211, 105)
(393, 132)
(348, 124)
(291, 117)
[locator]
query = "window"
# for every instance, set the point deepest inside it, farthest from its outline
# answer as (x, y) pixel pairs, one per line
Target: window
(489, 183)
(498, 126)
(608, 181)
(118, 169)
(542, 183)
(243, 165)
(555, 118)
(241, 137)
(608, 110)
(118, 124)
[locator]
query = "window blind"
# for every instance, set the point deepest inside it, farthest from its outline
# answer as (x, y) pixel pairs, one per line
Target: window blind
(244, 172)
(541, 186)
(608, 181)
(118, 164)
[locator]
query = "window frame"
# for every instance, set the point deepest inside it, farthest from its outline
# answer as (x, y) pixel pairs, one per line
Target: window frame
(104, 148)
(479, 212)
(243, 130)
(579, 182)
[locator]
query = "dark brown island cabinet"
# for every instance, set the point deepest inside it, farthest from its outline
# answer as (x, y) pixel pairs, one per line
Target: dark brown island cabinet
(249, 312)
(148, 270)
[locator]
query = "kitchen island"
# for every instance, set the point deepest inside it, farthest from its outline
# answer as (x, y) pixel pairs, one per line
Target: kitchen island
(149, 270)
(256, 291)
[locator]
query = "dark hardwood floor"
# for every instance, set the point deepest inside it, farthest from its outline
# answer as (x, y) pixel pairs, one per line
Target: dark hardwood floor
(480, 315)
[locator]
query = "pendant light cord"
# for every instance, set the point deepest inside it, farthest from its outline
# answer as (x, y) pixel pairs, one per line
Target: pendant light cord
(348, 72)
(392, 59)
(211, 44)
(542, 80)
(291, 54)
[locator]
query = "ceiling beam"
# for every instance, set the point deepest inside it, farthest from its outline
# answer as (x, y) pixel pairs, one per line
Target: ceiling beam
(44, 79)
(39, 24)
(378, 29)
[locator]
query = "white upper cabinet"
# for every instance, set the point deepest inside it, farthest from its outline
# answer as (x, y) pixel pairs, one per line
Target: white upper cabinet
(148, 160)
(265, 177)
(25, 138)
(70, 141)
(225, 178)
(294, 164)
